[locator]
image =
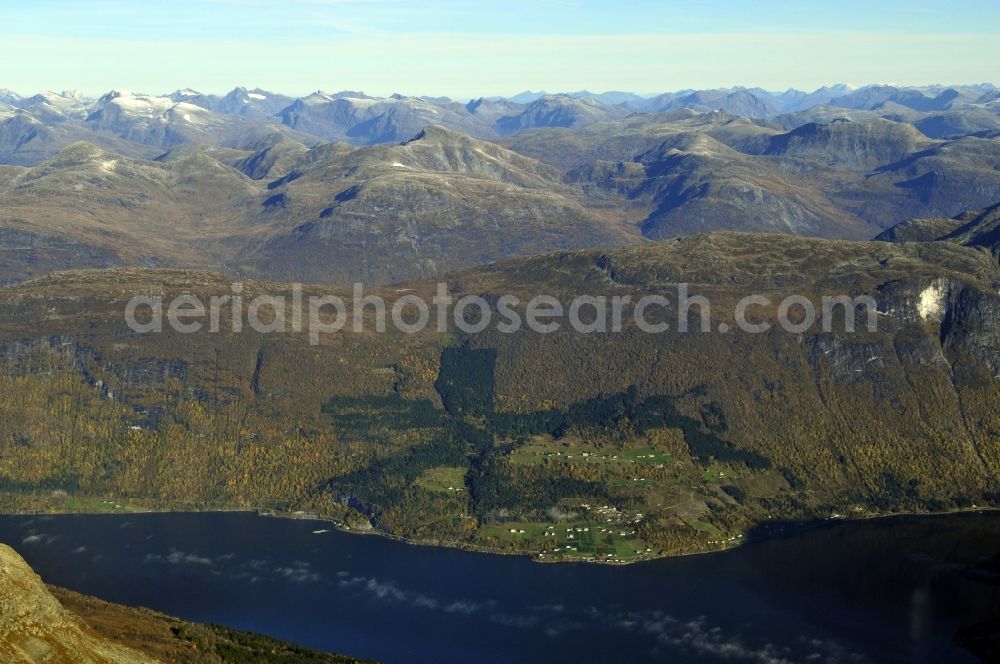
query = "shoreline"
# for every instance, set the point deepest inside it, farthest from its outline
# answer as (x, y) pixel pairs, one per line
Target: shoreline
(796, 528)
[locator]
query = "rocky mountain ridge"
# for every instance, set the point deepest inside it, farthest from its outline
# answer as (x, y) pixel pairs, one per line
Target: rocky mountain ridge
(256, 200)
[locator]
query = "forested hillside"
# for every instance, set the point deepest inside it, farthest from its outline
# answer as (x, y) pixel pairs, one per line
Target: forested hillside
(610, 446)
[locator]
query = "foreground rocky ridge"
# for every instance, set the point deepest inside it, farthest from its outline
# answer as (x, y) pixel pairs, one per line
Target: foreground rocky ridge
(52, 625)
(34, 627)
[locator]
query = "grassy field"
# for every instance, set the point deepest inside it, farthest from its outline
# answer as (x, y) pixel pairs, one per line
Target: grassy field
(85, 504)
(443, 479)
(586, 539)
(544, 449)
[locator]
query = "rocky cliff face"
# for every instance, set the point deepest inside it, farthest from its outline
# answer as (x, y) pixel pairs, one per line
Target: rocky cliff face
(34, 627)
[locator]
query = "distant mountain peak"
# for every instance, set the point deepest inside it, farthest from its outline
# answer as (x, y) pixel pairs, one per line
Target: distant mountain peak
(111, 95)
(81, 152)
(436, 133)
(527, 96)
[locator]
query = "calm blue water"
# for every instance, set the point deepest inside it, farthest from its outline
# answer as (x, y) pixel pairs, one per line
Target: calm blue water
(886, 590)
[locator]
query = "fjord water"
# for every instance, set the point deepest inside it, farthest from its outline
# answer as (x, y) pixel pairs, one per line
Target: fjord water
(881, 590)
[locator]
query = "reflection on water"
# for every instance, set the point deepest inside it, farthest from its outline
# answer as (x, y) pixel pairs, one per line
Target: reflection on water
(882, 590)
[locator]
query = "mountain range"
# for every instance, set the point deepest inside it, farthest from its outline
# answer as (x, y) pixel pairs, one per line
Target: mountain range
(190, 116)
(344, 187)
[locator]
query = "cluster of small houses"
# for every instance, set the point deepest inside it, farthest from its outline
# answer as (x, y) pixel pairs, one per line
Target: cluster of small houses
(571, 534)
(613, 457)
(612, 514)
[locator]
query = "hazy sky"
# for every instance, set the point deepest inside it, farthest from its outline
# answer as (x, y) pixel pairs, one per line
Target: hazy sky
(481, 47)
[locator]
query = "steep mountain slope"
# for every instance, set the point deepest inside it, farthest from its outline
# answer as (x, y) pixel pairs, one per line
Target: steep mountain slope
(609, 97)
(969, 118)
(982, 231)
(175, 641)
(437, 202)
(623, 140)
(25, 140)
(858, 146)
(289, 212)
(975, 228)
(688, 439)
(54, 107)
(944, 180)
(821, 114)
(132, 125)
(86, 207)
(838, 179)
(955, 124)
(490, 111)
(164, 123)
(796, 100)
(745, 103)
(697, 100)
(919, 230)
(933, 98)
(34, 627)
(48, 624)
(255, 103)
(559, 111)
(696, 184)
(152, 120)
(362, 120)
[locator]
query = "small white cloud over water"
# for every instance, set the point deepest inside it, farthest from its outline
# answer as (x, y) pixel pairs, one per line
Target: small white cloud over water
(713, 643)
(463, 607)
(178, 558)
(388, 591)
(508, 620)
(299, 572)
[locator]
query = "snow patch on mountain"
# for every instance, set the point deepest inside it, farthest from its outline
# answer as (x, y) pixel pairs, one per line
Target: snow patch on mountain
(931, 304)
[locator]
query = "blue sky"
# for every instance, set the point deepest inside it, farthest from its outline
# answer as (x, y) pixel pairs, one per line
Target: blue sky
(467, 49)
